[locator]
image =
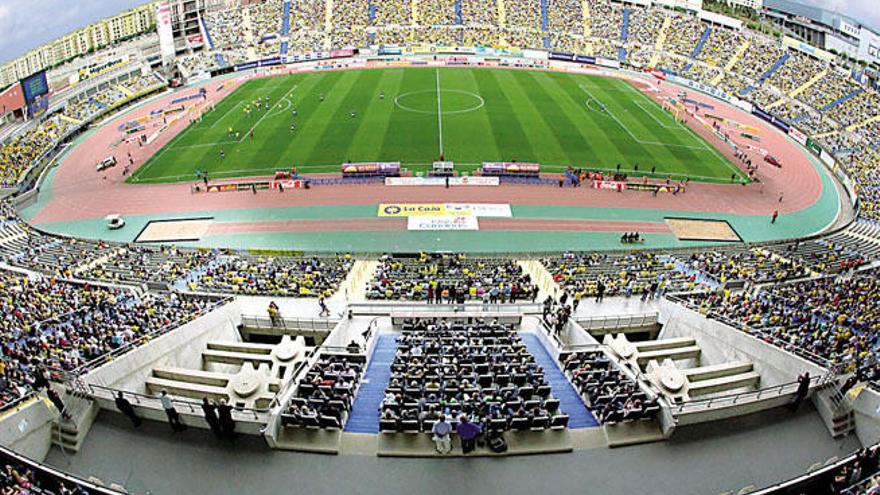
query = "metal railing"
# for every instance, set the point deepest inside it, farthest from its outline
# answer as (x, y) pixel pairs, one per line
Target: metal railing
(806, 478)
(386, 308)
(48, 471)
(19, 402)
(618, 321)
(288, 323)
(708, 404)
(152, 402)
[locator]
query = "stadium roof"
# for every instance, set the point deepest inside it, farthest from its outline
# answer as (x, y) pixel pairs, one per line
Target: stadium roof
(818, 14)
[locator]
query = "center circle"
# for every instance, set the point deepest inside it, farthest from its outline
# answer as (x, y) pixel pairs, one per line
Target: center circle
(451, 101)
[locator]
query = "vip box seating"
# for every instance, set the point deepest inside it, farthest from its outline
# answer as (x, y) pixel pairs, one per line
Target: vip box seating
(450, 278)
(325, 395)
(481, 369)
(610, 395)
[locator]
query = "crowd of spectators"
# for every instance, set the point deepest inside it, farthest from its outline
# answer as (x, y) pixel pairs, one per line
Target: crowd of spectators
(19, 478)
(831, 320)
(286, 276)
(610, 395)
(752, 265)
(602, 274)
(60, 326)
(450, 278)
(480, 369)
(20, 152)
(326, 393)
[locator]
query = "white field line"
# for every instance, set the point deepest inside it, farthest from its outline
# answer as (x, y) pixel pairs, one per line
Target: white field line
(628, 131)
(266, 114)
(439, 113)
(691, 132)
(665, 125)
(225, 114)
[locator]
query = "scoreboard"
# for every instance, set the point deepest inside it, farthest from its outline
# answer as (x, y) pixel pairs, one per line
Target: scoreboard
(35, 86)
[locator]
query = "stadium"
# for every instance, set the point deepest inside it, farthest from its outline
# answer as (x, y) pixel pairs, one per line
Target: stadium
(399, 246)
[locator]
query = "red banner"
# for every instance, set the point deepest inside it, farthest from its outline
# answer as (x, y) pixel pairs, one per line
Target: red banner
(609, 184)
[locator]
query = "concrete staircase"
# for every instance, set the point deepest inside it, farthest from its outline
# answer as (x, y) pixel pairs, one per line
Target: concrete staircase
(69, 434)
(835, 409)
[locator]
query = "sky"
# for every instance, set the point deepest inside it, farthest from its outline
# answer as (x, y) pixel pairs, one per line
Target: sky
(26, 24)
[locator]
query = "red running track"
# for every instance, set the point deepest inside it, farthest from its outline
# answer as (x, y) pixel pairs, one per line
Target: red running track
(78, 192)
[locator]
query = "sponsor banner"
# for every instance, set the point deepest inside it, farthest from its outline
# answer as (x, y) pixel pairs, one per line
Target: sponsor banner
(808, 49)
(415, 181)
(638, 186)
(510, 168)
(222, 188)
(163, 27)
(499, 210)
(389, 168)
(442, 181)
(604, 62)
(494, 210)
(287, 184)
(474, 181)
(412, 210)
(827, 158)
(771, 119)
(450, 222)
(609, 184)
(798, 136)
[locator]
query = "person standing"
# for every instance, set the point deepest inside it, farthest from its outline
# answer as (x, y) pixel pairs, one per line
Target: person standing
(171, 412)
(127, 409)
(441, 431)
(802, 391)
(210, 411)
(55, 398)
(468, 433)
(775, 216)
(325, 311)
(224, 416)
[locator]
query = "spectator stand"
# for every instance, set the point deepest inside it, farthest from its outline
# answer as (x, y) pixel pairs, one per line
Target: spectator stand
(22, 475)
(321, 402)
(494, 379)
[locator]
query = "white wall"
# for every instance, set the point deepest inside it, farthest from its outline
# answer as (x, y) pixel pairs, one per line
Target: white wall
(179, 348)
(28, 431)
(720, 343)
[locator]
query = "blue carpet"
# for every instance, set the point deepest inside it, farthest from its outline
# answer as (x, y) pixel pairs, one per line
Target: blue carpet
(569, 401)
(364, 416)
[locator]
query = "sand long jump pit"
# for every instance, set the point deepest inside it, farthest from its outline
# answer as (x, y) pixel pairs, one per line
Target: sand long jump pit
(175, 230)
(695, 229)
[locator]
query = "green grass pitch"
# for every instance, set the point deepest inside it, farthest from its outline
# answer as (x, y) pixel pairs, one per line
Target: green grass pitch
(472, 115)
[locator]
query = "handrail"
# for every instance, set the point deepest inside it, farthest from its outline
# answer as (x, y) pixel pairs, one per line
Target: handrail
(619, 321)
(18, 402)
(813, 474)
(468, 307)
(143, 400)
(295, 323)
(60, 475)
(702, 405)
